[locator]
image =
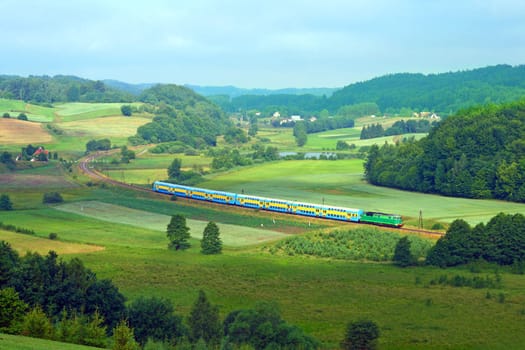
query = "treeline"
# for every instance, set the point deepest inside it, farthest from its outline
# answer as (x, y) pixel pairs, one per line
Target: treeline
(60, 88)
(398, 128)
(480, 153)
(501, 241)
(396, 92)
(319, 124)
(181, 115)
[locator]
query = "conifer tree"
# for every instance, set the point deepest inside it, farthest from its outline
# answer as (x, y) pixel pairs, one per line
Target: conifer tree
(178, 233)
(402, 256)
(5, 202)
(211, 242)
(123, 338)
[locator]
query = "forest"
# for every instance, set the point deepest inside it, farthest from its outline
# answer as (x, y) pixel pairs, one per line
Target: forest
(60, 88)
(479, 153)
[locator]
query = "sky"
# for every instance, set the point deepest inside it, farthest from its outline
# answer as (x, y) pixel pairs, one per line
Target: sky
(257, 44)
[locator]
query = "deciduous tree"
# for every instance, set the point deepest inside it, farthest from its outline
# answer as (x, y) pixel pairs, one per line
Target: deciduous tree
(174, 168)
(153, 318)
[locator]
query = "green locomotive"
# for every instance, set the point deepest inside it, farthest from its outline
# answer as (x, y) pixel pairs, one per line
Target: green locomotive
(372, 217)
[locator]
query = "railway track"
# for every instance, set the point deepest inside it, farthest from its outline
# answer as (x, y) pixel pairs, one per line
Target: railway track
(94, 174)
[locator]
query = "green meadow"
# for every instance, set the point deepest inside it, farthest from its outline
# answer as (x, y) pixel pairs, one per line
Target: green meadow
(80, 111)
(233, 235)
(11, 342)
(34, 113)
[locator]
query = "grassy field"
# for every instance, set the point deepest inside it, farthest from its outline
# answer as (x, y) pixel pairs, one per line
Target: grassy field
(327, 140)
(11, 342)
(231, 235)
(33, 112)
(77, 123)
(116, 127)
(24, 243)
(79, 111)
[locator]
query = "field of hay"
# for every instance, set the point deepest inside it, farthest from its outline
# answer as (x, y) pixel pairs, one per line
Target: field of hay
(23, 243)
(13, 131)
(104, 127)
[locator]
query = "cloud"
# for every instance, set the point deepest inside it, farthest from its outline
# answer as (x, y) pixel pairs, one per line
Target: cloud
(266, 43)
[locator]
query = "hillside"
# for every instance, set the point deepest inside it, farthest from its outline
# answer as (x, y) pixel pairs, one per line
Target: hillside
(181, 115)
(480, 153)
(444, 93)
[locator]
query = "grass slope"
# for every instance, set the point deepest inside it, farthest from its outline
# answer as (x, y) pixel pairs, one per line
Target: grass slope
(34, 113)
(112, 127)
(14, 342)
(24, 243)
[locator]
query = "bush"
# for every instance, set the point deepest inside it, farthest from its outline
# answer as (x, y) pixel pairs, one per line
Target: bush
(361, 335)
(53, 236)
(22, 116)
(437, 226)
(52, 197)
(126, 110)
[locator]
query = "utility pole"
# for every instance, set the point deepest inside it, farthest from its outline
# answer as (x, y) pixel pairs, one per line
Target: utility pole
(420, 223)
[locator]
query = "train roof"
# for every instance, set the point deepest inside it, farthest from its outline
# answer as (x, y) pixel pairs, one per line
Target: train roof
(263, 198)
(298, 202)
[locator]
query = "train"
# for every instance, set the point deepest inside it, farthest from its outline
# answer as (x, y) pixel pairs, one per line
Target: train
(280, 205)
